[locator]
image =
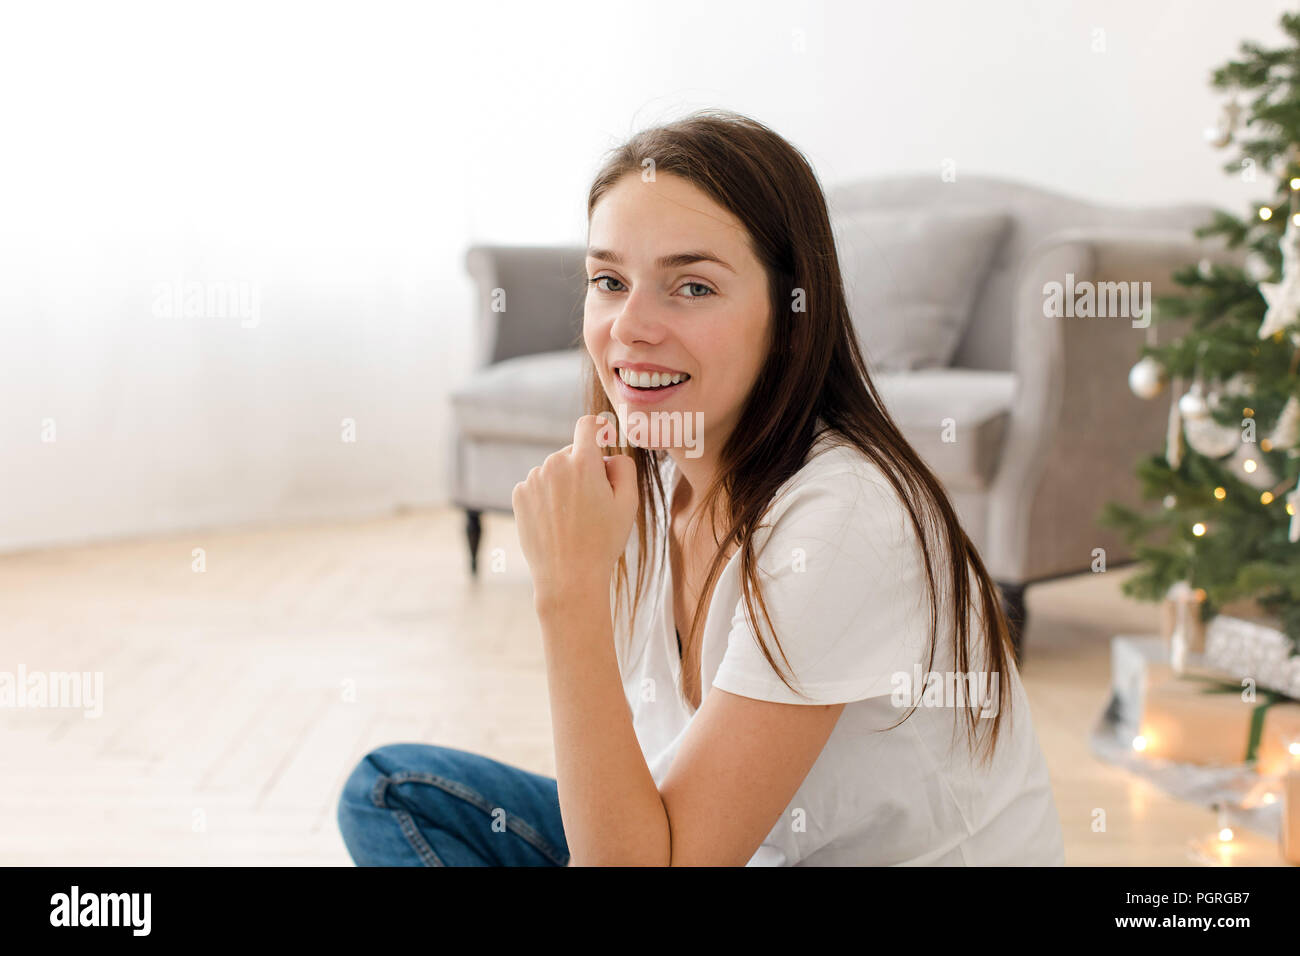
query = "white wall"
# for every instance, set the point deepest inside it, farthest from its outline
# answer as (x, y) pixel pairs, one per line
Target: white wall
(335, 161)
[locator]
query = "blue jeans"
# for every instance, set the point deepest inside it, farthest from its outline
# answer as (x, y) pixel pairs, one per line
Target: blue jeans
(423, 805)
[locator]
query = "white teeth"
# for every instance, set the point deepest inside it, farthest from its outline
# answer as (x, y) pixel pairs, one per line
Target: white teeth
(651, 379)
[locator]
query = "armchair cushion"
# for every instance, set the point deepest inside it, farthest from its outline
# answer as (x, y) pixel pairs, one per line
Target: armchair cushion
(531, 398)
(911, 278)
(537, 398)
(965, 452)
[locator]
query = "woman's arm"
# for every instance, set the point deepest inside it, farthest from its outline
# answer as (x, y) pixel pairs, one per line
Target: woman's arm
(611, 808)
(742, 760)
(737, 770)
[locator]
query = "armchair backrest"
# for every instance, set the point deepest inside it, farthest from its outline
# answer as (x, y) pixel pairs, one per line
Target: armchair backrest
(529, 299)
(1036, 215)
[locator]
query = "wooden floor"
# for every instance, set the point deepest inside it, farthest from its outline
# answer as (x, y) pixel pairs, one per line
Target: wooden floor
(236, 700)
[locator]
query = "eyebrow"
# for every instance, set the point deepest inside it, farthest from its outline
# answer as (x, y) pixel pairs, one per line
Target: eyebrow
(663, 262)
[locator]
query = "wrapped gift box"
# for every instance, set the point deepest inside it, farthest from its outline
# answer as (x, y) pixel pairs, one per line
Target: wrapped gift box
(1290, 835)
(1281, 732)
(1135, 662)
(1246, 648)
(1183, 721)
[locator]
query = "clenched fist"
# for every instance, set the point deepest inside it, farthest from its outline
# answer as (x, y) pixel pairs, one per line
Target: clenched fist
(574, 514)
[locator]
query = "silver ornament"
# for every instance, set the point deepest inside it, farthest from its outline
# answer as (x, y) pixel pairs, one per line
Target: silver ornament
(1211, 439)
(1193, 404)
(1147, 378)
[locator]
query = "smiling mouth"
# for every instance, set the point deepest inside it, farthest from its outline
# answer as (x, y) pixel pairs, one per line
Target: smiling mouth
(650, 381)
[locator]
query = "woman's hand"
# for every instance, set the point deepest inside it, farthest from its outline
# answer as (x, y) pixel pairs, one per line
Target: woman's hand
(574, 514)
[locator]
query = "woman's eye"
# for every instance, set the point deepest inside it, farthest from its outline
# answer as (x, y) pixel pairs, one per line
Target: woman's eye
(699, 285)
(698, 289)
(599, 279)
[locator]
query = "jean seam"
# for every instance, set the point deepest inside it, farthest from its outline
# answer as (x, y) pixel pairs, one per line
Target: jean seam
(416, 839)
(513, 823)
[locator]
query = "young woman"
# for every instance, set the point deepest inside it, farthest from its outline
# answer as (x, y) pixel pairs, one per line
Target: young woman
(768, 641)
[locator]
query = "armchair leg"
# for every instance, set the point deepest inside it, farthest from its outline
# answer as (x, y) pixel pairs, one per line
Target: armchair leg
(473, 532)
(1013, 605)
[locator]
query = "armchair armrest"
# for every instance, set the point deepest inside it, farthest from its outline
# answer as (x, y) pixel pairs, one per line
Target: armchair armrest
(1076, 431)
(529, 299)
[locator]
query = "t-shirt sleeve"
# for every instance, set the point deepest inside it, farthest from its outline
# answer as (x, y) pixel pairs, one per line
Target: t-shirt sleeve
(843, 579)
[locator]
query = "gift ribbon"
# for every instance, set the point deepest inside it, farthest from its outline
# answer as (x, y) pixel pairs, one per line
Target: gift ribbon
(1256, 715)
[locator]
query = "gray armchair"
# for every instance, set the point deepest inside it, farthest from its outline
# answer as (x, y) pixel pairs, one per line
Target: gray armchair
(1051, 428)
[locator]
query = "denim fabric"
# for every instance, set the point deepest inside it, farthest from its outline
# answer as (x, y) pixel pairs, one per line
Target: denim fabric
(422, 805)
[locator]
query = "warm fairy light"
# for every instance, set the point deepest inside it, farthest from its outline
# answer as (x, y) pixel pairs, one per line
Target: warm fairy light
(1225, 835)
(1295, 183)
(1294, 748)
(1266, 498)
(1198, 529)
(1139, 743)
(1200, 594)
(1265, 213)
(1249, 413)
(1248, 466)
(1296, 219)
(1220, 492)
(1264, 443)
(1267, 798)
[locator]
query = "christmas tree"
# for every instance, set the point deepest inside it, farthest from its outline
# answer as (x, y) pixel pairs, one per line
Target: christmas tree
(1227, 520)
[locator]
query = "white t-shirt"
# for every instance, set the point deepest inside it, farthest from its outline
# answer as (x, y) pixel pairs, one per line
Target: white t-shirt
(844, 583)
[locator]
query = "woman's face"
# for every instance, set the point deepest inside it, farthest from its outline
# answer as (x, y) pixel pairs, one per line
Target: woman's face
(677, 317)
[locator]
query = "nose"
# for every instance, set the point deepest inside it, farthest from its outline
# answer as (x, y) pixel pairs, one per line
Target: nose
(637, 322)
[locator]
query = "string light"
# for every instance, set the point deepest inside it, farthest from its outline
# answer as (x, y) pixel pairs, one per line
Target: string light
(1266, 498)
(1226, 834)
(1264, 443)
(1139, 743)
(1295, 183)
(1248, 466)
(1265, 213)
(1198, 529)
(1220, 492)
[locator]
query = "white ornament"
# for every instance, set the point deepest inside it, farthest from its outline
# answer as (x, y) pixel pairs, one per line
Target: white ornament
(1293, 499)
(1220, 134)
(1260, 476)
(1211, 439)
(1283, 297)
(1174, 434)
(1286, 432)
(1147, 378)
(1193, 404)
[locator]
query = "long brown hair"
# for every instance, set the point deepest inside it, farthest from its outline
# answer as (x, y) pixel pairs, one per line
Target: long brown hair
(771, 188)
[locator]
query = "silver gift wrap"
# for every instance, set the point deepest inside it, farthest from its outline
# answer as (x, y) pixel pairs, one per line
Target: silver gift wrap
(1251, 649)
